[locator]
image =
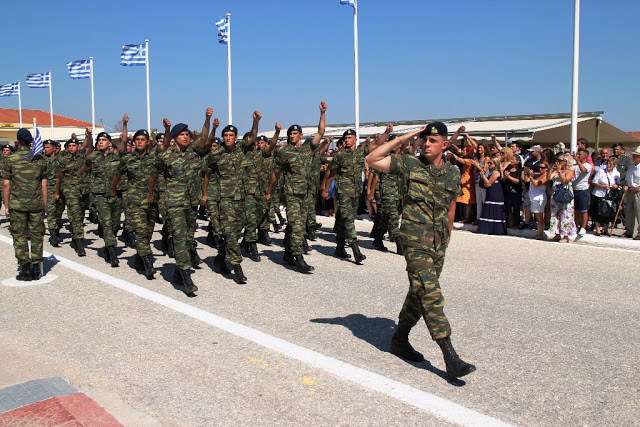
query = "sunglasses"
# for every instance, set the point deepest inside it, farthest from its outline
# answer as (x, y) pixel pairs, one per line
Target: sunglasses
(542, 167)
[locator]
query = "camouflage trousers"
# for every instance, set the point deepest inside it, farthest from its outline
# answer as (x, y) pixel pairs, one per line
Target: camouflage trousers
(387, 219)
(183, 228)
(167, 229)
(77, 204)
(109, 210)
(124, 206)
(142, 221)
(424, 253)
(231, 221)
(312, 197)
(274, 205)
(54, 209)
(255, 208)
(214, 217)
(296, 220)
(346, 227)
(27, 227)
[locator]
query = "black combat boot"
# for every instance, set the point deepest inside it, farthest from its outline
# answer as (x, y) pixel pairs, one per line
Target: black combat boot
(288, 258)
(185, 278)
(238, 275)
(301, 265)
(99, 231)
(253, 252)
(456, 367)
(358, 256)
(266, 239)
(36, 271)
(138, 263)
(340, 251)
(379, 244)
(149, 271)
(400, 344)
(78, 245)
(113, 258)
(311, 234)
(219, 262)
(305, 246)
(54, 237)
(171, 250)
(24, 273)
(399, 247)
(131, 241)
(195, 258)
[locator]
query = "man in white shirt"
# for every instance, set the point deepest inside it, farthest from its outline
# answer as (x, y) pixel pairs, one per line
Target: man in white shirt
(632, 211)
(582, 171)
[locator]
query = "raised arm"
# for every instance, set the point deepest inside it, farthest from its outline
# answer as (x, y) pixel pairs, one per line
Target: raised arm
(456, 135)
(495, 142)
(379, 159)
(471, 141)
(274, 140)
(166, 142)
(87, 144)
(321, 125)
(322, 148)
(125, 135)
(381, 138)
(204, 136)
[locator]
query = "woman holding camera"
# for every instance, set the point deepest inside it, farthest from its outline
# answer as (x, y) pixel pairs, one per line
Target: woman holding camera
(562, 214)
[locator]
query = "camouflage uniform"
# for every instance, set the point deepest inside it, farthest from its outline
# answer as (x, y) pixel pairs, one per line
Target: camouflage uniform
(314, 187)
(182, 171)
(26, 206)
(137, 169)
(54, 207)
(424, 233)
(228, 166)
(255, 165)
(295, 163)
(276, 194)
(73, 192)
(102, 169)
(213, 201)
(349, 165)
(389, 204)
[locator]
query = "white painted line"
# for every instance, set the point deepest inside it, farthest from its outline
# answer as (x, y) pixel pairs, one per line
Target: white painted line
(438, 406)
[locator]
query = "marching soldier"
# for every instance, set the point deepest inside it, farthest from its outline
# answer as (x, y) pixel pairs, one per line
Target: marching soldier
(55, 207)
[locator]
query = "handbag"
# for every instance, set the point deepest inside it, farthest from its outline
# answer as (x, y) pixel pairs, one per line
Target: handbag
(563, 195)
(608, 205)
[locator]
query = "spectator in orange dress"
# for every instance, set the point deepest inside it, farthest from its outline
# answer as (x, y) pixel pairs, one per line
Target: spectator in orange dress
(467, 179)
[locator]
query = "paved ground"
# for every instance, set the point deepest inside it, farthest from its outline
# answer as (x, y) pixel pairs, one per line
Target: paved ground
(551, 327)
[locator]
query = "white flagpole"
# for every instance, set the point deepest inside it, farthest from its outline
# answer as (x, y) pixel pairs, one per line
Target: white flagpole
(51, 103)
(93, 110)
(574, 88)
(148, 100)
(34, 129)
(357, 84)
(229, 66)
(20, 104)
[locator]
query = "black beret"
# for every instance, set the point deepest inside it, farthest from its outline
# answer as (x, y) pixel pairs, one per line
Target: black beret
(105, 135)
(217, 140)
(437, 128)
(262, 138)
(246, 135)
(141, 132)
(230, 128)
(115, 146)
(349, 132)
(71, 141)
(160, 135)
(178, 129)
(48, 141)
(294, 128)
(24, 135)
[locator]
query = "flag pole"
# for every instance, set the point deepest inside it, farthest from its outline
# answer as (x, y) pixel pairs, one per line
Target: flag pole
(20, 103)
(93, 110)
(229, 66)
(357, 83)
(148, 100)
(576, 64)
(51, 103)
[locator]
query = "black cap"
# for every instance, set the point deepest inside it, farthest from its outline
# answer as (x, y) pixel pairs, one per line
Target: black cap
(115, 146)
(178, 129)
(230, 128)
(141, 132)
(10, 147)
(217, 140)
(103, 134)
(437, 128)
(246, 135)
(24, 135)
(349, 132)
(71, 141)
(262, 138)
(48, 141)
(294, 128)
(160, 135)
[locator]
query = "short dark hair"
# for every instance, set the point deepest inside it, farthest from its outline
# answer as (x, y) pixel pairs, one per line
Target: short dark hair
(516, 143)
(584, 141)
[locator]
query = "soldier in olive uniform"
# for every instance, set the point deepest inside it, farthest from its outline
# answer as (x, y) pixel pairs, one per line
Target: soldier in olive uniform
(348, 165)
(227, 163)
(427, 221)
(25, 195)
(294, 161)
(55, 207)
(69, 186)
(211, 198)
(181, 165)
(314, 188)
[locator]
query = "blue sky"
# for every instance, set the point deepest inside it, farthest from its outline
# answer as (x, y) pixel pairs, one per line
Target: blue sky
(418, 59)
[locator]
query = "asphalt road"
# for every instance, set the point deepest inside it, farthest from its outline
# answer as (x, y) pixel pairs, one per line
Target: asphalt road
(552, 328)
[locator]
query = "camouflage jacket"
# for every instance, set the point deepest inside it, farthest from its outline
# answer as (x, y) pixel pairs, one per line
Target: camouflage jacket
(137, 170)
(102, 169)
(255, 166)
(69, 165)
(429, 192)
(228, 166)
(25, 173)
(296, 164)
(52, 171)
(182, 171)
(349, 165)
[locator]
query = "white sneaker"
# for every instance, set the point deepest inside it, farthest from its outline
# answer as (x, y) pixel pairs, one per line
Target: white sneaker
(582, 232)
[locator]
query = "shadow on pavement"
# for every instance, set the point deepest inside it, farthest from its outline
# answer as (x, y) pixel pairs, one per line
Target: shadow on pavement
(377, 331)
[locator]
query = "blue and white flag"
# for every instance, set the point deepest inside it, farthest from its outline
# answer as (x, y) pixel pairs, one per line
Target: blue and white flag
(39, 80)
(133, 54)
(10, 89)
(351, 3)
(223, 30)
(80, 69)
(37, 147)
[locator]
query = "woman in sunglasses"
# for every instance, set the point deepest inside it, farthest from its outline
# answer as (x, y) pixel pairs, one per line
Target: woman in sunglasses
(562, 214)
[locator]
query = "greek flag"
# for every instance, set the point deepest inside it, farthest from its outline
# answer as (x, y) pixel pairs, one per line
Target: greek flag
(133, 54)
(351, 3)
(37, 144)
(10, 89)
(39, 80)
(223, 30)
(79, 69)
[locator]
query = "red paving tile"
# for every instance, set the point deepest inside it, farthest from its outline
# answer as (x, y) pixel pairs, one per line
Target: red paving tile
(69, 411)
